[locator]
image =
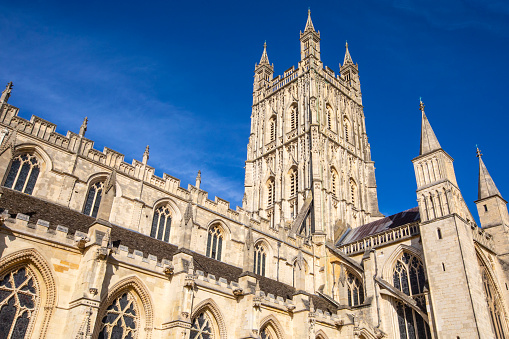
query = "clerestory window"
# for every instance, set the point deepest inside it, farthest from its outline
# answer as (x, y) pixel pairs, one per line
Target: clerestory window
(260, 256)
(355, 290)
(161, 223)
(214, 243)
(23, 173)
(94, 199)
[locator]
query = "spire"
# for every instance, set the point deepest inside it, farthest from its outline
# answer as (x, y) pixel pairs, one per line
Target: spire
(348, 59)
(429, 141)
(265, 58)
(487, 186)
(309, 23)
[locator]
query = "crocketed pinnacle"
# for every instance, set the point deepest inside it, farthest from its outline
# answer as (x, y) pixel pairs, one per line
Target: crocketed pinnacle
(487, 186)
(429, 141)
(265, 58)
(309, 23)
(348, 58)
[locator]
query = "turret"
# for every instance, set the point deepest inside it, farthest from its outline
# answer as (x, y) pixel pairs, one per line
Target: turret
(310, 45)
(350, 71)
(264, 71)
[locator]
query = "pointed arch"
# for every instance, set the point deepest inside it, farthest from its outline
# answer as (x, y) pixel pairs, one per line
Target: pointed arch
(320, 334)
(45, 279)
(391, 259)
(137, 287)
(272, 321)
(39, 151)
(211, 305)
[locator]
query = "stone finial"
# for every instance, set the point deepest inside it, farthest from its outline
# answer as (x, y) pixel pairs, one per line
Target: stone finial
(429, 141)
(8, 141)
(478, 152)
(83, 127)
(198, 180)
(348, 58)
(6, 94)
(145, 155)
(309, 23)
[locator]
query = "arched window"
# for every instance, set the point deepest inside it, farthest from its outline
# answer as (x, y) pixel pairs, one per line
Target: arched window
(353, 191)
(272, 129)
(270, 192)
(268, 332)
(121, 320)
(408, 277)
(334, 181)
(355, 290)
(18, 302)
(201, 327)
(346, 126)
(23, 173)
(294, 182)
(214, 243)
(260, 256)
(93, 199)
(330, 118)
(161, 223)
(494, 303)
(294, 117)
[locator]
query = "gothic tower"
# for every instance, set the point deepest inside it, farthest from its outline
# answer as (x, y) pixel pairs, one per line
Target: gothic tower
(309, 165)
(447, 227)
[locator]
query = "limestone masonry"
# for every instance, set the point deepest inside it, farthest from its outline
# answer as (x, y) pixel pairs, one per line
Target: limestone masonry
(94, 247)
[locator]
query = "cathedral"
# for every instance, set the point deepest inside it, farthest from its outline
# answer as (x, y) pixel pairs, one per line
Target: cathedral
(94, 247)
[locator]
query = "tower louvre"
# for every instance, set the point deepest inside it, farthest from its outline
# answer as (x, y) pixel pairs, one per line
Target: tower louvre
(309, 165)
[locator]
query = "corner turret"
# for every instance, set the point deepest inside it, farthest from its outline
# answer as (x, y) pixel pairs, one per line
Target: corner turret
(264, 71)
(350, 71)
(310, 46)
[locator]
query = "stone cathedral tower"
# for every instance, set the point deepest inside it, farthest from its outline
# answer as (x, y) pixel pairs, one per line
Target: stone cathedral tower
(309, 165)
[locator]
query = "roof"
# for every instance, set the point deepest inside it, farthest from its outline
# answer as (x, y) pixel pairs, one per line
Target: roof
(36, 208)
(379, 226)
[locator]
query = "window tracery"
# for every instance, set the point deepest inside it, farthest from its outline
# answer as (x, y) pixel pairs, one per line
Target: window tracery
(272, 129)
(334, 181)
(329, 117)
(346, 126)
(201, 327)
(268, 333)
(23, 173)
(409, 278)
(260, 256)
(18, 303)
(161, 223)
(214, 243)
(294, 182)
(294, 118)
(93, 199)
(121, 319)
(355, 290)
(270, 192)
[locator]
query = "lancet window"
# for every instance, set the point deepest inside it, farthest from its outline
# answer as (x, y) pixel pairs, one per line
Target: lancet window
(201, 327)
(329, 117)
(121, 320)
(268, 332)
(93, 199)
(408, 277)
(260, 256)
(355, 290)
(18, 303)
(294, 118)
(494, 303)
(272, 129)
(214, 243)
(23, 173)
(353, 191)
(161, 223)
(334, 181)
(270, 192)
(346, 126)
(294, 182)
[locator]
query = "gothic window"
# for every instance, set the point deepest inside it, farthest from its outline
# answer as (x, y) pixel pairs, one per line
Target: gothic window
(494, 304)
(353, 191)
(260, 256)
(355, 290)
(201, 327)
(334, 181)
(294, 118)
(214, 243)
(268, 332)
(94, 199)
(161, 223)
(121, 319)
(270, 192)
(408, 277)
(272, 129)
(23, 173)
(294, 182)
(346, 125)
(18, 303)
(329, 117)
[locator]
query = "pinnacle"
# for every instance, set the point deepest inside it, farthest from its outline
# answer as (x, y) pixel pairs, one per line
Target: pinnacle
(309, 23)
(487, 186)
(429, 141)
(348, 58)
(265, 58)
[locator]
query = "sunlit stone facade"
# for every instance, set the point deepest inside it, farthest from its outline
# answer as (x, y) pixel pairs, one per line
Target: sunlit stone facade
(94, 247)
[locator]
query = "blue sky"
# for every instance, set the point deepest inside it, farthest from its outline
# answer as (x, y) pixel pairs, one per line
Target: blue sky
(178, 77)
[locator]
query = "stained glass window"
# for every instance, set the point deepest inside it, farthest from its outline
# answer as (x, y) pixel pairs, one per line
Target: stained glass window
(94, 199)
(121, 319)
(259, 259)
(408, 277)
(201, 327)
(23, 173)
(161, 223)
(18, 302)
(214, 243)
(355, 290)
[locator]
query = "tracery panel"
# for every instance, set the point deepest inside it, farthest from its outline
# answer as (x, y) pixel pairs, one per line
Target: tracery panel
(23, 173)
(121, 319)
